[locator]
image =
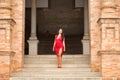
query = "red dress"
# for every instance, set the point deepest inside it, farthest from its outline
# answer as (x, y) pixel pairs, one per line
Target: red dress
(58, 45)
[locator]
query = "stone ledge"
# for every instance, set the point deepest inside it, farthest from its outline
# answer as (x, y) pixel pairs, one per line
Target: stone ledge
(10, 20)
(108, 52)
(7, 53)
(108, 20)
(5, 6)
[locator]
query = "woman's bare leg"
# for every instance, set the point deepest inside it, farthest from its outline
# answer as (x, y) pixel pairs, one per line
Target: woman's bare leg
(60, 57)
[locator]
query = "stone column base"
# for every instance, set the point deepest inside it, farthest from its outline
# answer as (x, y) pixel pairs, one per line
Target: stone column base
(86, 46)
(33, 46)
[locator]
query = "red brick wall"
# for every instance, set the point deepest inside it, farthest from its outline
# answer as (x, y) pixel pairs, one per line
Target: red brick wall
(18, 9)
(110, 64)
(94, 14)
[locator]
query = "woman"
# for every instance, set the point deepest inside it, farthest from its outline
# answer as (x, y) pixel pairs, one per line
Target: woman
(59, 46)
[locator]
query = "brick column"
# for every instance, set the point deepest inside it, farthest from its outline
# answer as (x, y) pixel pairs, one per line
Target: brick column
(110, 41)
(6, 36)
(33, 41)
(6, 64)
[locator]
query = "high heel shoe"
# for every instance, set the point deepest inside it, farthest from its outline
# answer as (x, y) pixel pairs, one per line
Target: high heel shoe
(59, 66)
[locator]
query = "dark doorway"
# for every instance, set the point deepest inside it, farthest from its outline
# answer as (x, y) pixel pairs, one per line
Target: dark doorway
(60, 13)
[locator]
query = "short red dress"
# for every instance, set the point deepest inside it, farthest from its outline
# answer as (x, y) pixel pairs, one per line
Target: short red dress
(58, 45)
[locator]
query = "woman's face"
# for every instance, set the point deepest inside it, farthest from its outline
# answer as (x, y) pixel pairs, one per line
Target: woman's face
(60, 31)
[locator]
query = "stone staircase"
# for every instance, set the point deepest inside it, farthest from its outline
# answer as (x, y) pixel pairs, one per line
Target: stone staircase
(44, 67)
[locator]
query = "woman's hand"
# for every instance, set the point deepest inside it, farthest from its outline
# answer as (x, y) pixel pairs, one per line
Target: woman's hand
(64, 49)
(53, 49)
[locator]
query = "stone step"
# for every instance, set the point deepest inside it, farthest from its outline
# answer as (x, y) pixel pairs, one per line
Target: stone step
(55, 61)
(56, 78)
(54, 56)
(57, 69)
(48, 59)
(56, 74)
(64, 57)
(55, 65)
(44, 67)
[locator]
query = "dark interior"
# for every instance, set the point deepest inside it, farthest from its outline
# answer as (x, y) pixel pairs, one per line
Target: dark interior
(60, 13)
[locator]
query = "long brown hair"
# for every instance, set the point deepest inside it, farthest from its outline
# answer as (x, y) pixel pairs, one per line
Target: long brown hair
(63, 36)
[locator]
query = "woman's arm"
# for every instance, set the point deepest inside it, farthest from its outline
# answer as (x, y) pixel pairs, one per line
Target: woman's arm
(64, 45)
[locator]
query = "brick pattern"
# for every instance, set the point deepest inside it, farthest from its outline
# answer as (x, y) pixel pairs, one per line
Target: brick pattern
(4, 79)
(5, 9)
(111, 65)
(10, 36)
(110, 41)
(94, 13)
(18, 7)
(6, 29)
(6, 63)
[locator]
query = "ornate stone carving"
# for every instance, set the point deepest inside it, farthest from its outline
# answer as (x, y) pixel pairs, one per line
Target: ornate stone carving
(109, 33)
(6, 29)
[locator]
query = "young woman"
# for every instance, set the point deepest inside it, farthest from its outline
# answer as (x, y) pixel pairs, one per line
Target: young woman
(59, 46)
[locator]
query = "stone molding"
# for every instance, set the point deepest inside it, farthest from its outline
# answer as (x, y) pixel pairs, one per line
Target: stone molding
(6, 4)
(8, 21)
(108, 4)
(7, 53)
(108, 20)
(108, 52)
